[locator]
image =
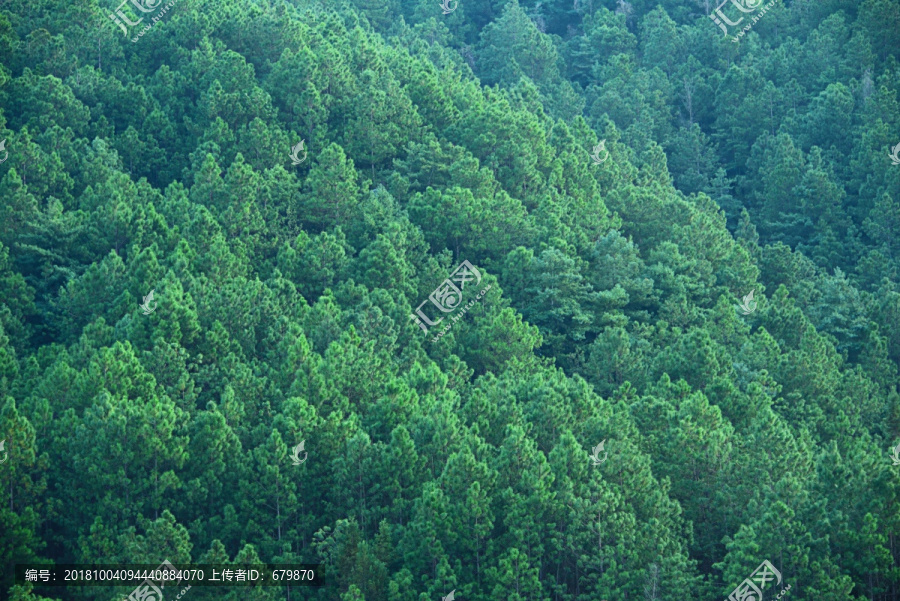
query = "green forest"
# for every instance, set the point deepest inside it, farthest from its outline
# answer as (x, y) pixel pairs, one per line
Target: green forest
(472, 300)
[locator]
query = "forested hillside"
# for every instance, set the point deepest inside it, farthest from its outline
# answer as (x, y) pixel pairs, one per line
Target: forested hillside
(680, 346)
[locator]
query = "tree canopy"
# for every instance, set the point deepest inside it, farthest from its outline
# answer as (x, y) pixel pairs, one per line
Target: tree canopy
(612, 300)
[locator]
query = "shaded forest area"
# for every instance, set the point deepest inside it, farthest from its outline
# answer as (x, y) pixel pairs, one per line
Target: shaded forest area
(284, 294)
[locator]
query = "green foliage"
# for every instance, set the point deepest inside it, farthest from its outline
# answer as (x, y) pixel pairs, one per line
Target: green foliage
(283, 295)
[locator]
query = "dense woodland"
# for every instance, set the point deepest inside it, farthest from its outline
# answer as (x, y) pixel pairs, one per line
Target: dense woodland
(285, 293)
